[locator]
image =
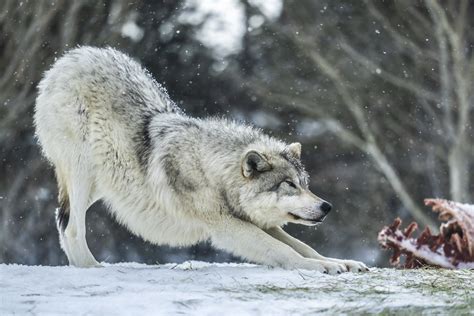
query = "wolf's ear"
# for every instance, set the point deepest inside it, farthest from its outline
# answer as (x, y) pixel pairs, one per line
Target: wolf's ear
(295, 150)
(253, 163)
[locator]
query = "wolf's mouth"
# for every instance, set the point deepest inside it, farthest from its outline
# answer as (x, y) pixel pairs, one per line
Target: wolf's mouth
(310, 220)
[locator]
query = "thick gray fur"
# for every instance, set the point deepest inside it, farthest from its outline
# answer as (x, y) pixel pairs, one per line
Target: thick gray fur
(112, 133)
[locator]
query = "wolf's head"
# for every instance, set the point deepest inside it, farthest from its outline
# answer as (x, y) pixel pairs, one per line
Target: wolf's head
(276, 188)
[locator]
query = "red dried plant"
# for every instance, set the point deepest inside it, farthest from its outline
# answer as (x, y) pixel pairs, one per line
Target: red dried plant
(452, 248)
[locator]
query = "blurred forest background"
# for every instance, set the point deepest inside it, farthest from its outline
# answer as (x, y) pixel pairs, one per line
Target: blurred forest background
(380, 94)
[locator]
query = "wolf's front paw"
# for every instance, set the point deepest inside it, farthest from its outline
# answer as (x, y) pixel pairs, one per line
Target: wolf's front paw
(334, 267)
(327, 267)
(354, 266)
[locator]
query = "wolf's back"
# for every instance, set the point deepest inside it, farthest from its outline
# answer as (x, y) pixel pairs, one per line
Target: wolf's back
(98, 74)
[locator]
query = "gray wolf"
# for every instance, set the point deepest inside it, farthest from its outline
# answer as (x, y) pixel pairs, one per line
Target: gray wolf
(113, 134)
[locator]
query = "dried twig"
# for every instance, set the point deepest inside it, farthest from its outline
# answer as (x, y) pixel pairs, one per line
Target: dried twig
(452, 248)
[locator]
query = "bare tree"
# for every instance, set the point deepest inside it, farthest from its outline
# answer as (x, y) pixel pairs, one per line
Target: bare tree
(32, 35)
(402, 81)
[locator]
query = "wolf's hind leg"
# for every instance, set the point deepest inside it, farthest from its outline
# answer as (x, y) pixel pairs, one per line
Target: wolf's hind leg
(308, 252)
(75, 197)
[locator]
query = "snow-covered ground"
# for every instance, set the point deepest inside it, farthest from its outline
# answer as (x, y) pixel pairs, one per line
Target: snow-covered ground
(236, 289)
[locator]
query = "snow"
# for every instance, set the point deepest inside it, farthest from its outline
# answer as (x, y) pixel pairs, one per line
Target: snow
(433, 257)
(132, 30)
(239, 289)
(270, 8)
(222, 23)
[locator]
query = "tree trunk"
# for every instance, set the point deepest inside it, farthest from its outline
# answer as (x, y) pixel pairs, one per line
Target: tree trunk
(399, 187)
(458, 163)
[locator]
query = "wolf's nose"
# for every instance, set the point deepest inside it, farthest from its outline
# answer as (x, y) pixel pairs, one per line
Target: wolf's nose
(326, 207)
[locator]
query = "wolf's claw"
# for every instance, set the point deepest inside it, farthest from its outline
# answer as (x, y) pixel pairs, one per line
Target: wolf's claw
(354, 266)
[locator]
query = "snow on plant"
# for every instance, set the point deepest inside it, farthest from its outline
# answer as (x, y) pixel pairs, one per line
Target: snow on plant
(452, 248)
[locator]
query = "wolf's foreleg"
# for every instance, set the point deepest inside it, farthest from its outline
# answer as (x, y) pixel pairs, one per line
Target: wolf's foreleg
(308, 252)
(252, 243)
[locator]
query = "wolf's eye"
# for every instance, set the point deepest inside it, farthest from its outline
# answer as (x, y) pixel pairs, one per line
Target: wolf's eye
(291, 184)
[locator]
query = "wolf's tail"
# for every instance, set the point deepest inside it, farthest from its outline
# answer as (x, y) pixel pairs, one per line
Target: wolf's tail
(64, 209)
(62, 215)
